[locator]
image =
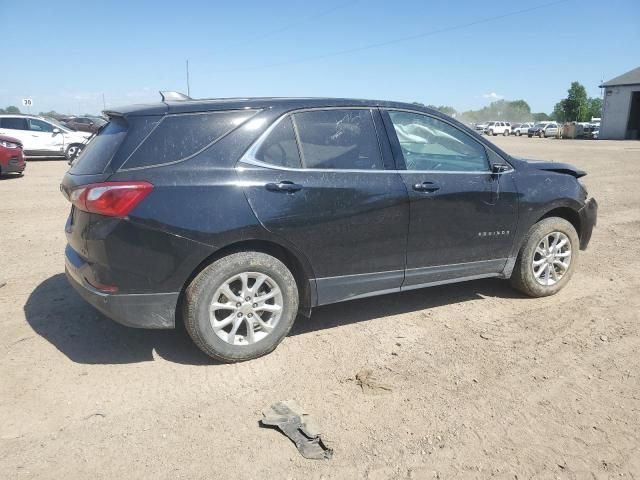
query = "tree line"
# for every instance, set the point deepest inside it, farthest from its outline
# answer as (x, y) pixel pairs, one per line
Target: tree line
(577, 106)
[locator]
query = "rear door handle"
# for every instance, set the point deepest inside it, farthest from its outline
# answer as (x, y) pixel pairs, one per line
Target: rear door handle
(428, 187)
(284, 186)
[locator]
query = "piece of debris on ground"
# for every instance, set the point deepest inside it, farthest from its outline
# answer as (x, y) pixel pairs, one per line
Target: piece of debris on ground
(290, 418)
(370, 383)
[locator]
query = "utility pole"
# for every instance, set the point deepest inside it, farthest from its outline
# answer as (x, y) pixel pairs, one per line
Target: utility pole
(188, 86)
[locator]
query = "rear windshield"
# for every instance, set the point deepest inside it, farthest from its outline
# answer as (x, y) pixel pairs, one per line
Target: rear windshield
(98, 153)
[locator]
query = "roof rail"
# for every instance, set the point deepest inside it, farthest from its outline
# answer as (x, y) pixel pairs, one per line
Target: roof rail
(168, 95)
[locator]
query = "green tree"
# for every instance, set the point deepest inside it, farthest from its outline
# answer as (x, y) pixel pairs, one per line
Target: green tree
(576, 105)
(540, 117)
(595, 108)
(559, 113)
(12, 109)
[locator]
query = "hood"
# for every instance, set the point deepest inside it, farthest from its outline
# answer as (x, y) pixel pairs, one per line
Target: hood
(557, 167)
(78, 135)
(6, 138)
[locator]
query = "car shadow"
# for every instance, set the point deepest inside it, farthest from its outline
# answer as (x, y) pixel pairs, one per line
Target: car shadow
(10, 176)
(58, 314)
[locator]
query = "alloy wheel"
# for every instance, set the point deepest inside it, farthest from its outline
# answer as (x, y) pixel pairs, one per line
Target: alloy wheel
(552, 258)
(246, 308)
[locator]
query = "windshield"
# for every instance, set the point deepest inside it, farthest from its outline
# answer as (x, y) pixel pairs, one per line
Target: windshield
(99, 152)
(57, 124)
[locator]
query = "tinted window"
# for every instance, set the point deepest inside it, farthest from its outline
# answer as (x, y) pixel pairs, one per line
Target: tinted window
(98, 153)
(280, 147)
(180, 136)
(431, 144)
(39, 126)
(14, 123)
(338, 139)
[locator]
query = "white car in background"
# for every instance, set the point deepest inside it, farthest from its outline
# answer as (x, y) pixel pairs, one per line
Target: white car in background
(43, 137)
(521, 128)
(495, 128)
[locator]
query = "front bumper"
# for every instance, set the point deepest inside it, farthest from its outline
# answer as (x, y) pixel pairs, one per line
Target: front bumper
(14, 165)
(588, 219)
(149, 310)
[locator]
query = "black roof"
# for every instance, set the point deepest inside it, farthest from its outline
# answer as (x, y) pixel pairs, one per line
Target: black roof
(280, 103)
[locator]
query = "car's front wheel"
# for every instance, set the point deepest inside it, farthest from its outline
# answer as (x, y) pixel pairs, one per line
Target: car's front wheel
(241, 306)
(547, 258)
(505, 133)
(73, 151)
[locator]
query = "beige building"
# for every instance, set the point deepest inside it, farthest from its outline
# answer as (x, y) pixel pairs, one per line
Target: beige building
(621, 110)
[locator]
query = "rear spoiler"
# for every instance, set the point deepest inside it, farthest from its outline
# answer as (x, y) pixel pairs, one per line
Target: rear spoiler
(168, 95)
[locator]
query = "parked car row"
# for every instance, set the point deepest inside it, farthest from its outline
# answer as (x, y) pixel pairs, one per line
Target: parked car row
(539, 129)
(43, 137)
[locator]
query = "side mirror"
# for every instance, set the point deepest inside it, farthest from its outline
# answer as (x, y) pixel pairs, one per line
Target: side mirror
(497, 168)
(56, 131)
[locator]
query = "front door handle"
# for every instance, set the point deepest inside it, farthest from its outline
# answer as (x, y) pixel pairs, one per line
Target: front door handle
(284, 186)
(428, 187)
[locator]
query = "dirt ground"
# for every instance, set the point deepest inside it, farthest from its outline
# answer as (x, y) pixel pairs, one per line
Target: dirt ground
(483, 382)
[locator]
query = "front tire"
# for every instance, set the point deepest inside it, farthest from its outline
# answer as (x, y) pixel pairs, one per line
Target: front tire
(241, 306)
(73, 151)
(505, 133)
(547, 258)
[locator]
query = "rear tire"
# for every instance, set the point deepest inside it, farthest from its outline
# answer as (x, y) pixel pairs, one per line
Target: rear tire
(538, 274)
(223, 292)
(541, 134)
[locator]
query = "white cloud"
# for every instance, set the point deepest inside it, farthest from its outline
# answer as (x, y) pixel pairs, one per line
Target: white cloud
(493, 96)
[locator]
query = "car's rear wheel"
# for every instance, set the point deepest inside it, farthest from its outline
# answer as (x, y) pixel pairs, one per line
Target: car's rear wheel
(547, 258)
(490, 132)
(241, 306)
(518, 133)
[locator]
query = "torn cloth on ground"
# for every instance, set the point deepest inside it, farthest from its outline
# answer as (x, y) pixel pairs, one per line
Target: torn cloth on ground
(300, 427)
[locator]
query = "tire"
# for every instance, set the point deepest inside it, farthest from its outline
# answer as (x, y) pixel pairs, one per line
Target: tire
(490, 132)
(199, 299)
(73, 151)
(528, 135)
(505, 133)
(524, 277)
(518, 133)
(541, 134)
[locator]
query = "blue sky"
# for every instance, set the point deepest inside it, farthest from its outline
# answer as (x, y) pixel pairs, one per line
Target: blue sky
(66, 54)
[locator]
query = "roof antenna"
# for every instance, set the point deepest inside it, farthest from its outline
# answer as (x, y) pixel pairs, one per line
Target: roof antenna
(168, 95)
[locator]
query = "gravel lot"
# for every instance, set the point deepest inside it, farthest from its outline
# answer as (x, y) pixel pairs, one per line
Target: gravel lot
(484, 383)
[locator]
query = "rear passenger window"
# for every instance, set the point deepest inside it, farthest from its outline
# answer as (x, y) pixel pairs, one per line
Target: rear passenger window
(14, 123)
(338, 139)
(178, 137)
(280, 147)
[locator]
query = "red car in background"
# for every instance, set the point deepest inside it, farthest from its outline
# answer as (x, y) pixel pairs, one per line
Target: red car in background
(11, 156)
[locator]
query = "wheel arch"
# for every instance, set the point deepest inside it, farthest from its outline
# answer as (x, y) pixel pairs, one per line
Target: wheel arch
(300, 269)
(567, 213)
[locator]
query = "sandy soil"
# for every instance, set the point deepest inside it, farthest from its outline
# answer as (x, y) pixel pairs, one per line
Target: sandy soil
(484, 383)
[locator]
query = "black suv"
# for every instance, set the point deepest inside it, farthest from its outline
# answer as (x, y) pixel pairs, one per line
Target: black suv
(237, 214)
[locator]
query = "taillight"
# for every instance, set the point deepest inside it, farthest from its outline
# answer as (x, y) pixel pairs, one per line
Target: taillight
(113, 199)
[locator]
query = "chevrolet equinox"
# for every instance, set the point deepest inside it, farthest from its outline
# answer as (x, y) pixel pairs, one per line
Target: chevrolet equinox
(236, 215)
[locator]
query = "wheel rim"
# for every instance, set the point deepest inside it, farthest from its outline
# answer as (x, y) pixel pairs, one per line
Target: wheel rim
(72, 152)
(551, 259)
(246, 308)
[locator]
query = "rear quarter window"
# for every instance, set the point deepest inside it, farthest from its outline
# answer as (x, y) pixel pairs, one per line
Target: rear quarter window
(100, 150)
(178, 137)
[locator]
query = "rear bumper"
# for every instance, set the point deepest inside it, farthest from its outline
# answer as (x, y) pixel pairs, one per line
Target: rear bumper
(149, 310)
(588, 219)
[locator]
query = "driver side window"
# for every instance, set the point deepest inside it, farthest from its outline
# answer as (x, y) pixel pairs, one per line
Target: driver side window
(428, 143)
(39, 126)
